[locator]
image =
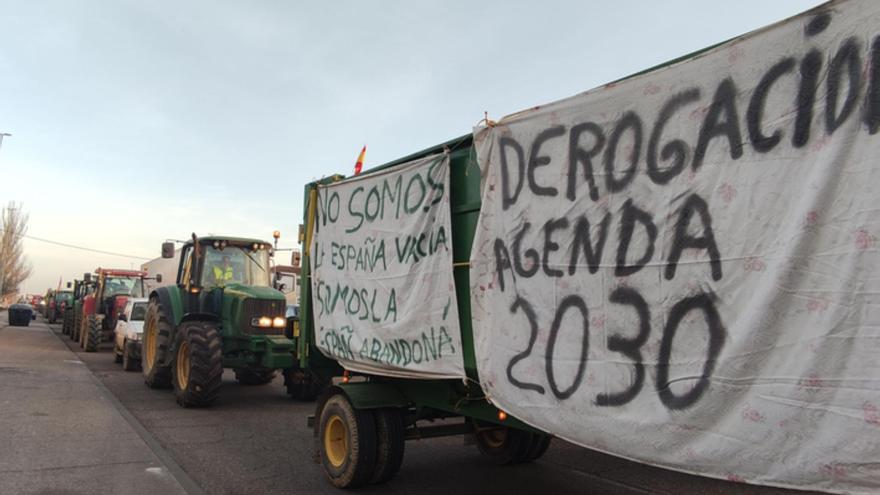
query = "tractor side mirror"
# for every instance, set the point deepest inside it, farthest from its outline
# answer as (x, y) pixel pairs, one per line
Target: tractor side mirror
(295, 258)
(159, 278)
(87, 277)
(167, 250)
(68, 285)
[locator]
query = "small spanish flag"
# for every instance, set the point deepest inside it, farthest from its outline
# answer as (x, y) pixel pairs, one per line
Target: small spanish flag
(359, 165)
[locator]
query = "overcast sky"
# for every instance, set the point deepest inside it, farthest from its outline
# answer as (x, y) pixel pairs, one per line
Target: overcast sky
(136, 121)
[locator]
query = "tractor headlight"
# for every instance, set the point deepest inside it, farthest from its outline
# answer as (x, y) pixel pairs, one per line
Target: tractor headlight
(262, 322)
(279, 322)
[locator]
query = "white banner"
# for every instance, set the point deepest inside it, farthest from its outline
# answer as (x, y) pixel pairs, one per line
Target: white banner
(682, 268)
(383, 293)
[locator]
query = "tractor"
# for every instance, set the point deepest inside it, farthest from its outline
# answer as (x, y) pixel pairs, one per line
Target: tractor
(58, 303)
(101, 309)
(221, 313)
(73, 311)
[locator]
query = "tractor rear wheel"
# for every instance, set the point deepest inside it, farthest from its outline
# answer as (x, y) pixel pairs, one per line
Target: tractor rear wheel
(503, 445)
(254, 376)
(157, 334)
(390, 442)
(93, 334)
(346, 442)
(198, 364)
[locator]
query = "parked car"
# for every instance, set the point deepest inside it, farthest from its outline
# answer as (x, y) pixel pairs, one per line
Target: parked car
(128, 333)
(20, 315)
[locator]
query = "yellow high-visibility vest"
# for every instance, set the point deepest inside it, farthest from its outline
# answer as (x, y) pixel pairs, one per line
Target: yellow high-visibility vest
(221, 275)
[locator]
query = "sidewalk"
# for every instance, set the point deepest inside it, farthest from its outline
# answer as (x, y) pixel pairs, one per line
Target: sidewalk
(60, 433)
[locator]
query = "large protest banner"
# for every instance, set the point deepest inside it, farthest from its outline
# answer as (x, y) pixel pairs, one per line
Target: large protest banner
(682, 268)
(384, 297)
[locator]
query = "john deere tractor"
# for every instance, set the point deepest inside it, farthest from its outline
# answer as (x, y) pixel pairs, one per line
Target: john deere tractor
(221, 313)
(102, 308)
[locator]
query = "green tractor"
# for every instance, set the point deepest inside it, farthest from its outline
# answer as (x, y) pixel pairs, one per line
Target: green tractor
(73, 311)
(221, 313)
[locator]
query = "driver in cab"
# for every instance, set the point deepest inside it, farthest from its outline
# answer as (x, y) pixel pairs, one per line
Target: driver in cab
(223, 272)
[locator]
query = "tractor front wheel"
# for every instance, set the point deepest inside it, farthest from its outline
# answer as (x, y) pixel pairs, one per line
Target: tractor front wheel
(93, 334)
(346, 442)
(254, 376)
(157, 333)
(198, 364)
(75, 324)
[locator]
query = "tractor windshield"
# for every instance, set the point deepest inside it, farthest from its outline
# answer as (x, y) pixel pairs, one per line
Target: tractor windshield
(235, 265)
(123, 286)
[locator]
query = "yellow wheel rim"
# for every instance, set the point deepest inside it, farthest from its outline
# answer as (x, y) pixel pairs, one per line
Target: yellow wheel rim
(183, 366)
(150, 343)
(494, 437)
(336, 441)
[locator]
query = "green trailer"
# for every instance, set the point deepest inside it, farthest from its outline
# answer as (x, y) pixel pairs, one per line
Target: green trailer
(362, 420)
(222, 312)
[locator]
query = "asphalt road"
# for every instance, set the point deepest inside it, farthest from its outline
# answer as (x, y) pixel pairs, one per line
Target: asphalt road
(254, 440)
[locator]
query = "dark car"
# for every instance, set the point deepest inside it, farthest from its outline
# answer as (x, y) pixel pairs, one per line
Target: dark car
(20, 315)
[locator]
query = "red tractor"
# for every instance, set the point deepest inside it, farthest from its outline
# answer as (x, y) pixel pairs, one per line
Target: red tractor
(101, 308)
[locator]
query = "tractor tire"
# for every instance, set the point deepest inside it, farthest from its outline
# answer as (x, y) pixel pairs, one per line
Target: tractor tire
(303, 385)
(93, 334)
(128, 362)
(390, 443)
(501, 445)
(75, 324)
(346, 442)
(156, 344)
(254, 376)
(65, 322)
(198, 364)
(84, 331)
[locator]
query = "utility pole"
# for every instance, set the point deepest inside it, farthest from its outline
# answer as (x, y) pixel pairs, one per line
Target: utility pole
(3, 135)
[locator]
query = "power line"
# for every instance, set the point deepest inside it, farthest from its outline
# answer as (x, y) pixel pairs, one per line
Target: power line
(64, 244)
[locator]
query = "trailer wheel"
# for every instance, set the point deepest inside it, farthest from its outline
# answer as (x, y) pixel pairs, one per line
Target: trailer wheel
(302, 384)
(539, 446)
(93, 334)
(503, 445)
(347, 442)
(390, 442)
(254, 376)
(157, 332)
(198, 364)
